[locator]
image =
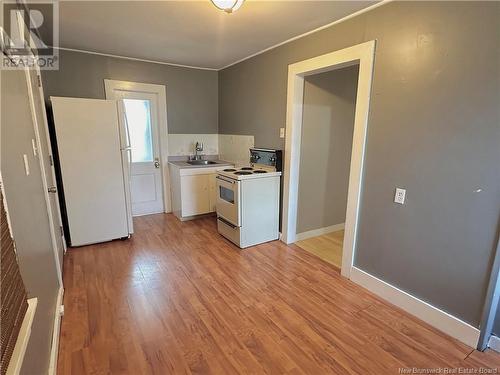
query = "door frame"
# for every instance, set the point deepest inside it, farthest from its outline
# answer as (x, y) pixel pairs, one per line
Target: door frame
(363, 55)
(112, 87)
(491, 303)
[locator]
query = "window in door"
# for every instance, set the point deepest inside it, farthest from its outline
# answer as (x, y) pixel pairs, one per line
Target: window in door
(138, 114)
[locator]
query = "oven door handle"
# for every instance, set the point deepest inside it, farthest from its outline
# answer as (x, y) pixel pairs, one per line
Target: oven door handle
(225, 180)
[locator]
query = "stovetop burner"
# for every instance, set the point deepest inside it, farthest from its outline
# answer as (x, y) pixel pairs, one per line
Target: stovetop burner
(242, 173)
(259, 171)
(247, 169)
(229, 170)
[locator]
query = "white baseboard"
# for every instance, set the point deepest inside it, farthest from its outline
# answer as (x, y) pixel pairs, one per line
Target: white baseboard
(494, 343)
(437, 318)
(16, 360)
(319, 232)
(55, 333)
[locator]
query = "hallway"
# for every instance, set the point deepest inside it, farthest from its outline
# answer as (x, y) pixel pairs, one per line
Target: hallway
(327, 246)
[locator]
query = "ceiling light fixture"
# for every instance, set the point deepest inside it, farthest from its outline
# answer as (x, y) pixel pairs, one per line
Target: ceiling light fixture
(228, 6)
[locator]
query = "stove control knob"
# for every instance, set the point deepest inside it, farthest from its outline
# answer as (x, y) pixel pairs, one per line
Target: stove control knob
(255, 157)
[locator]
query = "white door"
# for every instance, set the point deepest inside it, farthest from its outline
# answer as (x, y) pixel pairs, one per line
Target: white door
(146, 186)
(44, 152)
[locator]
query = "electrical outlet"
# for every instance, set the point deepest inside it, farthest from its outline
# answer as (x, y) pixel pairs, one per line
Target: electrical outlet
(400, 196)
(282, 132)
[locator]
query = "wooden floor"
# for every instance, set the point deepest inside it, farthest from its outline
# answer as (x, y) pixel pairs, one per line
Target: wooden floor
(328, 247)
(178, 299)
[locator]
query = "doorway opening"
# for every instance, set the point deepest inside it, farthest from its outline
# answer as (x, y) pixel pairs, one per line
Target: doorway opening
(143, 108)
(326, 144)
(359, 59)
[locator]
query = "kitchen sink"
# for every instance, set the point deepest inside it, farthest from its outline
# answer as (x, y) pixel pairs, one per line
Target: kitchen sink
(201, 162)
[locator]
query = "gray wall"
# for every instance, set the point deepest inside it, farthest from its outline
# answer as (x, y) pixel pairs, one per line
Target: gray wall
(192, 101)
(28, 213)
(433, 129)
(326, 144)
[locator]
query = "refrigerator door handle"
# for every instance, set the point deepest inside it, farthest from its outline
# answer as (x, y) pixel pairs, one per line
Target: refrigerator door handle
(127, 156)
(123, 115)
(127, 129)
(129, 144)
(127, 174)
(129, 162)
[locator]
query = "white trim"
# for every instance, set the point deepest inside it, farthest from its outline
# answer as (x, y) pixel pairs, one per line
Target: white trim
(113, 86)
(319, 232)
(494, 343)
(437, 318)
(364, 55)
(348, 17)
(134, 58)
(16, 361)
(56, 333)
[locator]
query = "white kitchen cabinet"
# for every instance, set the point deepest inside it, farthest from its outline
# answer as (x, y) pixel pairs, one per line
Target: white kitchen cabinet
(195, 195)
(193, 190)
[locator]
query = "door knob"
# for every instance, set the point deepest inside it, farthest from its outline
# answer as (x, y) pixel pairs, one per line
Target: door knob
(52, 189)
(157, 163)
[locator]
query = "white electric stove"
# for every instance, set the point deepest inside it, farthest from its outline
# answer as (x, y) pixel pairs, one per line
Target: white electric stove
(250, 172)
(248, 199)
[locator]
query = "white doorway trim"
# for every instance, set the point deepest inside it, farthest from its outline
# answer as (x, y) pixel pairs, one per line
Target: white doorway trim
(113, 87)
(364, 55)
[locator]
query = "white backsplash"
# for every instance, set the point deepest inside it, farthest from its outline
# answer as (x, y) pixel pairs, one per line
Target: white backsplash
(234, 148)
(229, 147)
(183, 144)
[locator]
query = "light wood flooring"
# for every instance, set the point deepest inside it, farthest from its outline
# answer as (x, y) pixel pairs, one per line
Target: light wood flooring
(177, 298)
(328, 247)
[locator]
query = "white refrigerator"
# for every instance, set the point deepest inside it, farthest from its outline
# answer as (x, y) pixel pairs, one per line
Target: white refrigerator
(94, 161)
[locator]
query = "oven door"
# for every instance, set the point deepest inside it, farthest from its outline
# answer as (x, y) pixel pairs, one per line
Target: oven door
(228, 199)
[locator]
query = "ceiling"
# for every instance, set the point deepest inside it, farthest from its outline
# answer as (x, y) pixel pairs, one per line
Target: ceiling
(192, 33)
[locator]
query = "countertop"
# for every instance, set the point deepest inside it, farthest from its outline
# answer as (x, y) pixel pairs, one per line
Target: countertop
(184, 165)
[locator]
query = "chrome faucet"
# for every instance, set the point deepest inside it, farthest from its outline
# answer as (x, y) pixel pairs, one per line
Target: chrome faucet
(198, 148)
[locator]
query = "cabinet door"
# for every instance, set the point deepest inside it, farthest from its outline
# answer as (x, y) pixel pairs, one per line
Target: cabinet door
(195, 195)
(212, 191)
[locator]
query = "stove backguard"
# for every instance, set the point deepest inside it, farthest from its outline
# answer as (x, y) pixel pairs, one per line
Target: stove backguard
(267, 157)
